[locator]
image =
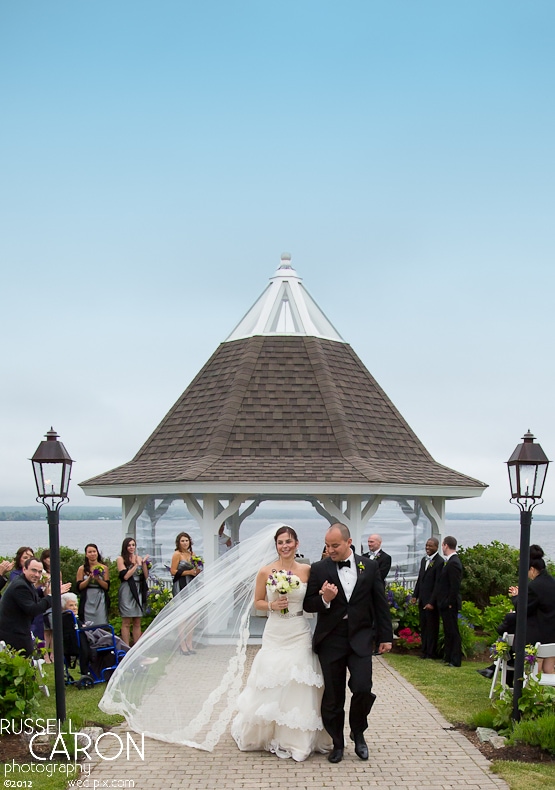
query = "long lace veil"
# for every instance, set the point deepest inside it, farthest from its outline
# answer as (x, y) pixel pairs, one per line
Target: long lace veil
(190, 699)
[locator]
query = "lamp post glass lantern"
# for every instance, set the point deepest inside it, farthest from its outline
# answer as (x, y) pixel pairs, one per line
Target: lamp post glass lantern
(527, 472)
(52, 469)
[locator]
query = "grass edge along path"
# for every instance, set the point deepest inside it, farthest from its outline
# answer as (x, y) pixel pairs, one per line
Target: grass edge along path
(459, 694)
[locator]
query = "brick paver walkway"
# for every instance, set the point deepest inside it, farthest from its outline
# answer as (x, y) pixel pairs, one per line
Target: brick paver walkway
(412, 747)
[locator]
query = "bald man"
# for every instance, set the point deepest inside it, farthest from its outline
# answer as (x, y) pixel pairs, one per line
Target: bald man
(375, 553)
(348, 594)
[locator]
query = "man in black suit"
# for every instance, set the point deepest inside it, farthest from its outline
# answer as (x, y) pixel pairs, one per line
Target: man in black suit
(348, 594)
(19, 606)
(448, 599)
(430, 568)
(375, 553)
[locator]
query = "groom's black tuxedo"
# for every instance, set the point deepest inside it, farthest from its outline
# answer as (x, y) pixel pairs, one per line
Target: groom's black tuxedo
(343, 640)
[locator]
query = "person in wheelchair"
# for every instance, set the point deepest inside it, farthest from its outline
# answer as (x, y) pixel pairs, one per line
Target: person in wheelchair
(84, 648)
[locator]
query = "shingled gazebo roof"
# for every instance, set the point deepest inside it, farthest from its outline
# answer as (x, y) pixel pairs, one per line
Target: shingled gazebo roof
(283, 401)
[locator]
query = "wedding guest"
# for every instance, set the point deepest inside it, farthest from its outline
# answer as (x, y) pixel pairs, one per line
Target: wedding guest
(38, 624)
(82, 647)
(22, 555)
(347, 592)
(540, 613)
(93, 583)
(224, 541)
(375, 552)
(21, 603)
(430, 568)
(47, 616)
(447, 598)
(132, 594)
(183, 569)
(5, 566)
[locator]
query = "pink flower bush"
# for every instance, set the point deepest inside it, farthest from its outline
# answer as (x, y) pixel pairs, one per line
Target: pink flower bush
(409, 639)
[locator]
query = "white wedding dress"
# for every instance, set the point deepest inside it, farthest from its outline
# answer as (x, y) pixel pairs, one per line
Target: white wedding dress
(192, 698)
(279, 708)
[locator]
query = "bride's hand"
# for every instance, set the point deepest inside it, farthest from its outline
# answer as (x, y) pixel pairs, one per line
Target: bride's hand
(283, 602)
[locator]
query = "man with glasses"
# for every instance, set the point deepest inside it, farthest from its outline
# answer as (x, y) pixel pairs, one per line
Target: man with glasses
(20, 604)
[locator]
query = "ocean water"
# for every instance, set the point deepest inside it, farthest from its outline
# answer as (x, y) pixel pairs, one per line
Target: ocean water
(403, 541)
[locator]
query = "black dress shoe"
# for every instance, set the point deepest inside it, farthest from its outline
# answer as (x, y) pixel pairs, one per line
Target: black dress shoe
(361, 749)
(486, 673)
(335, 756)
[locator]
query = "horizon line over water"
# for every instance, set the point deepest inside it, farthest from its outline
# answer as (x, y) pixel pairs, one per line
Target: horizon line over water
(108, 535)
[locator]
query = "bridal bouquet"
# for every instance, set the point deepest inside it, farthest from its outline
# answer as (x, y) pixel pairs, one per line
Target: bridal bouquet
(283, 582)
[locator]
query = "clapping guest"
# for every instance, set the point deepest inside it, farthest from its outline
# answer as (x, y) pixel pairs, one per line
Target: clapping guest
(133, 573)
(22, 555)
(540, 613)
(5, 566)
(21, 603)
(93, 583)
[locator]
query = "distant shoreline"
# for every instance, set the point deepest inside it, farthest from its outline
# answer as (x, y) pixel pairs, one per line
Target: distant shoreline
(76, 513)
(67, 513)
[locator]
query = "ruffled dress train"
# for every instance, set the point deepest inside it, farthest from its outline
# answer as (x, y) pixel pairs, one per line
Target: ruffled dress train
(279, 708)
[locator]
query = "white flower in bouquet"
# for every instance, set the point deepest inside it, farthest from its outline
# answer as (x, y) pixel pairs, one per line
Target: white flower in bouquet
(283, 582)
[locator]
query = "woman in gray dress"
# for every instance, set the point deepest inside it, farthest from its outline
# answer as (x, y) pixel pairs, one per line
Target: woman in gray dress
(93, 583)
(133, 573)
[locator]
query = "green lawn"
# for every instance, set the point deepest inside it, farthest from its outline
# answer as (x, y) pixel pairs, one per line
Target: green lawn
(461, 695)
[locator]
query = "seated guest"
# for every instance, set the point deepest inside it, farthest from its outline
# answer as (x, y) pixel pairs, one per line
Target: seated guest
(541, 609)
(20, 604)
(85, 648)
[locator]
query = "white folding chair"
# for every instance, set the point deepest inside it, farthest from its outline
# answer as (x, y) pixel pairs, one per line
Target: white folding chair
(501, 666)
(544, 651)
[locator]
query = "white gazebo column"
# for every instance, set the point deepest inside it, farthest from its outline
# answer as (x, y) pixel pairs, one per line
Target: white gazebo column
(131, 509)
(209, 517)
(434, 508)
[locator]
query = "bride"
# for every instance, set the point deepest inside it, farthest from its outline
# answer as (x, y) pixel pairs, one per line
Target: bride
(191, 698)
(279, 710)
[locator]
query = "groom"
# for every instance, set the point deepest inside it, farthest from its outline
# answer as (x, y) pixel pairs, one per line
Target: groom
(347, 592)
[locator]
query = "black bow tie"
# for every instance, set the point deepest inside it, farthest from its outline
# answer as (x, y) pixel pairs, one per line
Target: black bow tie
(344, 564)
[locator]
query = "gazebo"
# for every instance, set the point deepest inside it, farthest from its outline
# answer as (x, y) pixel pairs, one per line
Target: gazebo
(283, 410)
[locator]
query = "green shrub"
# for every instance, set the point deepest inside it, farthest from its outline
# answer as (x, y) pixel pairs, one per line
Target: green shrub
(535, 701)
(488, 571)
(484, 718)
(468, 638)
(19, 688)
(494, 614)
(472, 614)
(536, 732)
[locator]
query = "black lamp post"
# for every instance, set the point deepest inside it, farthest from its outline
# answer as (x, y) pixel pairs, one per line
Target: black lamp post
(52, 468)
(527, 471)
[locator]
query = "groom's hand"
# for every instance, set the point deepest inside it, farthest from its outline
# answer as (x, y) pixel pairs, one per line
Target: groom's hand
(385, 647)
(328, 592)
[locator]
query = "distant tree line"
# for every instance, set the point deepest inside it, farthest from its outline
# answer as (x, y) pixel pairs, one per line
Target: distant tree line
(66, 513)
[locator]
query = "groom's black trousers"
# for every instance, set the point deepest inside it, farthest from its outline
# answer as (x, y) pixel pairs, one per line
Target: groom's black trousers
(336, 656)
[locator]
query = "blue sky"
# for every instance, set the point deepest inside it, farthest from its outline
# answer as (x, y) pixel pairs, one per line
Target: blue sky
(158, 157)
